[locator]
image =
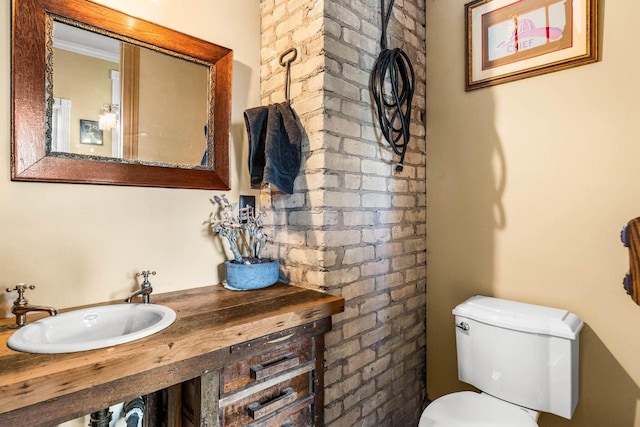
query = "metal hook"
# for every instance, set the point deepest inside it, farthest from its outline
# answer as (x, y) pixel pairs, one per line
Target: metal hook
(284, 63)
(287, 64)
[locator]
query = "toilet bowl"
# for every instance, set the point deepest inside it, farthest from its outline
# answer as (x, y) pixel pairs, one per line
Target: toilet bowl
(522, 357)
(468, 408)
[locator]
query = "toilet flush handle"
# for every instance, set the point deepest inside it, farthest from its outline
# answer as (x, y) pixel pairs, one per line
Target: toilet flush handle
(463, 325)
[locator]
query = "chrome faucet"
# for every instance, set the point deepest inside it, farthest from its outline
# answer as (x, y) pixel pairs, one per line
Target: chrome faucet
(21, 306)
(145, 288)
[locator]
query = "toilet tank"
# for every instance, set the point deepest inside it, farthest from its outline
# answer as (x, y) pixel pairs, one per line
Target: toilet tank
(522, 353)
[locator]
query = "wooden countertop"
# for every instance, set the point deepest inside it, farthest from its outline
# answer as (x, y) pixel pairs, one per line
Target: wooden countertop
(209, 320)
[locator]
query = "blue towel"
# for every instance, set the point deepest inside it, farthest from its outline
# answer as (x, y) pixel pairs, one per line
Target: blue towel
(274, 145)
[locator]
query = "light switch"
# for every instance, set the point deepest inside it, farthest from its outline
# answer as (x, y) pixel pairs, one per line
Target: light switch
(246, 207)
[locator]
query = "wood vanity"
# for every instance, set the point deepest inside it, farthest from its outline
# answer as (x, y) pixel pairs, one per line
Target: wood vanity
(230, 359)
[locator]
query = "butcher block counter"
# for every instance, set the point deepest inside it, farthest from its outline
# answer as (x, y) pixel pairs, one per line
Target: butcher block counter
(47, 389)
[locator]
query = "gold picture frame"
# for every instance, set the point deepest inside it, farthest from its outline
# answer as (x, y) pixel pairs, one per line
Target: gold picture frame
(509, 40)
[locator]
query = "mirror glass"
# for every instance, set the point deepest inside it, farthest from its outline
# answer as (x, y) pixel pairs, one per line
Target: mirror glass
(102, 97)
(115, 99)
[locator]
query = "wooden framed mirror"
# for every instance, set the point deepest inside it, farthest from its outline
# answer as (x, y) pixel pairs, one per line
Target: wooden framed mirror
(58, 139)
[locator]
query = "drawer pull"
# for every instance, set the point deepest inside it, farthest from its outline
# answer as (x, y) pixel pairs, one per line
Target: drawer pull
(264, 370)
(258, 410)
(281, 339)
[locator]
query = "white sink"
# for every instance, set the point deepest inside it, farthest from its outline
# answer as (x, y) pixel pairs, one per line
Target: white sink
(91, 328)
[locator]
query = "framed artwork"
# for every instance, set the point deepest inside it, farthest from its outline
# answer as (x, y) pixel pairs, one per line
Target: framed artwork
(513, 39)
(90, 132)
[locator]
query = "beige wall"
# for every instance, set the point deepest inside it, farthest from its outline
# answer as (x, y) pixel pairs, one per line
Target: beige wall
(528, 185)
(86, 82)
(83, 243)
(176, 109)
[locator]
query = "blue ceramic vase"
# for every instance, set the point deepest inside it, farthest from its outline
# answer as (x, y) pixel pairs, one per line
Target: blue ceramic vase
(252, 276)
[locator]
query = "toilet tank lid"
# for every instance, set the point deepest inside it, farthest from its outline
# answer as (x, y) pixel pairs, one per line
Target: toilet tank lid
(521, 316)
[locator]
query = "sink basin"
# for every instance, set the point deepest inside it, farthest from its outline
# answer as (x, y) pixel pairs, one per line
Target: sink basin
(91, 328)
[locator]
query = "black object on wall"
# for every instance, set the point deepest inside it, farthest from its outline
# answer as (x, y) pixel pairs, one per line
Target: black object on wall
(631, 238)
(392, 85)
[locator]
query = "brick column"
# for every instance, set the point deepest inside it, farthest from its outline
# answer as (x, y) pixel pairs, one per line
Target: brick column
(354, 226)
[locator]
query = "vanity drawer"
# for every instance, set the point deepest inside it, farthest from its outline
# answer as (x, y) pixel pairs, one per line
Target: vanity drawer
(299, 414)
(283, 402)
(266, 365)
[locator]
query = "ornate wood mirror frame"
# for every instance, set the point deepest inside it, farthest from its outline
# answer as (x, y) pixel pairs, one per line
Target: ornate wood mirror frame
(32, 22)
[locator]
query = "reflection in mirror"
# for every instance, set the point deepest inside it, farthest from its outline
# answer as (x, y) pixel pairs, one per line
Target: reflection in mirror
(115, 99)
(102, 97)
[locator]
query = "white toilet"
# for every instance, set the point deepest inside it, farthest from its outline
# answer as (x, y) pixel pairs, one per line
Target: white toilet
(524, 359)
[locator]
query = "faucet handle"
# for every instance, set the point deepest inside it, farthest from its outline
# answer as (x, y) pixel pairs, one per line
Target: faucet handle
(146, 274)
(20, 288)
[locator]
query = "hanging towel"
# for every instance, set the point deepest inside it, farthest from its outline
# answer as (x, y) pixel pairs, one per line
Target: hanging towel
(274, 145)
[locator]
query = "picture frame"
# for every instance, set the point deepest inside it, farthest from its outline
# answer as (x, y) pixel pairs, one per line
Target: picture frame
(90, 132)
(509, 40)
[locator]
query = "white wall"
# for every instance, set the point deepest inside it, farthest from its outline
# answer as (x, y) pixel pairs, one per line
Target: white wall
(83, 243)
(528, 186)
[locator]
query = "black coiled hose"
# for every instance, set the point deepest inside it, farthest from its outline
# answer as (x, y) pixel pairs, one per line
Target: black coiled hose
(392, 86)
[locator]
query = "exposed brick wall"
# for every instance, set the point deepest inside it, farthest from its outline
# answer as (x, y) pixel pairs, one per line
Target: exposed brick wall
(354, 226)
